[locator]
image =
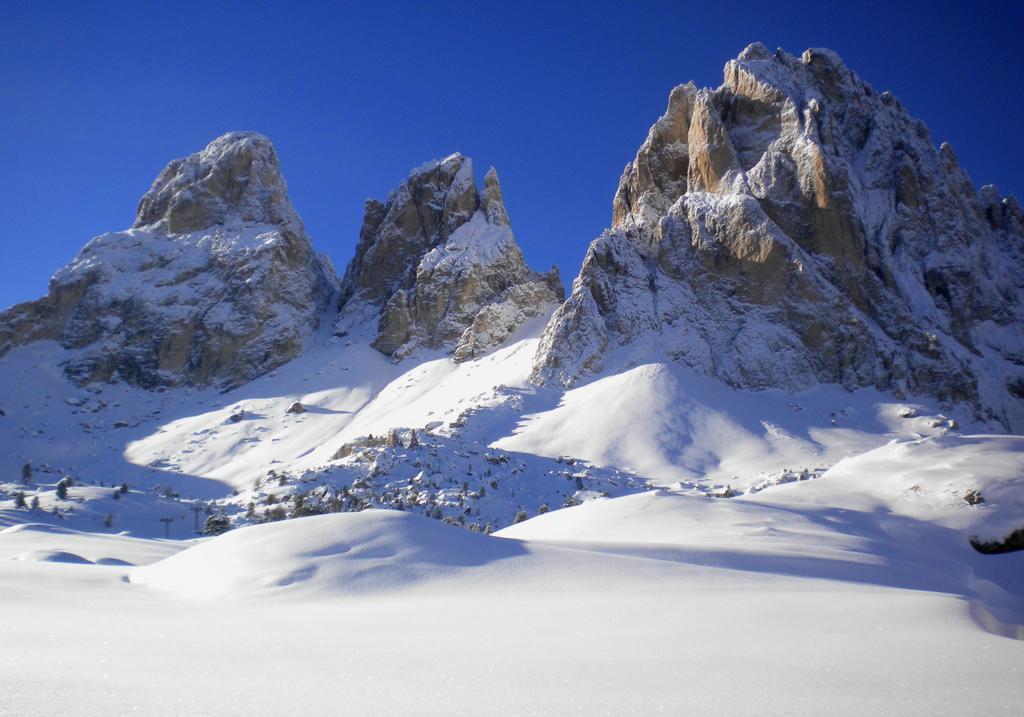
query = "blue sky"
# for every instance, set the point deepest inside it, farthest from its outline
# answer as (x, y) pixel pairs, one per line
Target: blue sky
(95, 98)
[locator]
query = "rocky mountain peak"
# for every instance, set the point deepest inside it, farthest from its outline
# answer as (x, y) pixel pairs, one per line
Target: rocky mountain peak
(236, 177)
(215, 283)
(437, 266)
(795, 226)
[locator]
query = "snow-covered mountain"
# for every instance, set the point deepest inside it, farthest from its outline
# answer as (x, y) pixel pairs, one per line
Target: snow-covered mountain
(216, 282)
(766, 432)
(795, 227)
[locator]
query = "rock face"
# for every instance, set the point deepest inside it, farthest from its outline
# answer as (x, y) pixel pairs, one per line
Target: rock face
(216, 282)
(437, 266)
(795, 226)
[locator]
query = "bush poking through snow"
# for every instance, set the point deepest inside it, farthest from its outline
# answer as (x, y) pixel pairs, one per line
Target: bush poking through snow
(520, 516)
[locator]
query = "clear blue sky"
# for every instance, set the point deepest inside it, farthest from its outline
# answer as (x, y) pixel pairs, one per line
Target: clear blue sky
(95, 98)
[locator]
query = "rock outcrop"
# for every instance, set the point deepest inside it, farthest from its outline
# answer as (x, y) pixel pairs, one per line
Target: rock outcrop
(795, 226)
(437, 266)
(215, 283)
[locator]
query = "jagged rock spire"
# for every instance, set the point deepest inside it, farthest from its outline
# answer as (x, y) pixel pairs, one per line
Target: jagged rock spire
(492, 203)
(437, 266)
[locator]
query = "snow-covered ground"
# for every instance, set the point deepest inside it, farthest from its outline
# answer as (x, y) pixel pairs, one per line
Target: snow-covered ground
(757, 553)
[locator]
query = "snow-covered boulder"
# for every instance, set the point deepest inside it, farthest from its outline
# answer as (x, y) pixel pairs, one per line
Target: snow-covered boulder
(794, 226)
(437, 266)
(215, 283)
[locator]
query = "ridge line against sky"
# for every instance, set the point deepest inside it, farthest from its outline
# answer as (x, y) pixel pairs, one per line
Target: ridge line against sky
(100, 96)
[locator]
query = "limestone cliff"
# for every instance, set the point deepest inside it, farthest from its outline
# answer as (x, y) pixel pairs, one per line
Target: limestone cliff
(795, 226)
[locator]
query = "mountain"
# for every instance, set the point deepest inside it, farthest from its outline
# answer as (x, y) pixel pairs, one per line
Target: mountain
(215, 283)
(794, 227)
(747, 455)
(437, 266)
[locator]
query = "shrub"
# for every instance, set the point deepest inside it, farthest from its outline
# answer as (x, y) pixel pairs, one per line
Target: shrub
(273, 514)
(520, 516)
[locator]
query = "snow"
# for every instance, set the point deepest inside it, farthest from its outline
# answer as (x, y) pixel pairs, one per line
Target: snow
(389, 613)
(477, 242)
(670, 424)
(839, 575)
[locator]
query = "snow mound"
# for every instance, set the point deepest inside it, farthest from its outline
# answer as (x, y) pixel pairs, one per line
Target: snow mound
(371, 551)
(35, 527)
(970, 484)
(669, 424)
(53, 556)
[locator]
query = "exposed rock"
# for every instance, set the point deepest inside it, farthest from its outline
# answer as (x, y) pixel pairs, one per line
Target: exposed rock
(296, 408)
(215, 283)
(437, 266)
(794, 226)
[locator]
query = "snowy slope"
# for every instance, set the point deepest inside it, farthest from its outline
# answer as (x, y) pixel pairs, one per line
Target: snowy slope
(613, 607)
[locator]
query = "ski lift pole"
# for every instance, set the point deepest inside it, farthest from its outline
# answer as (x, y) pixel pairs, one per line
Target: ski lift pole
(196, 510)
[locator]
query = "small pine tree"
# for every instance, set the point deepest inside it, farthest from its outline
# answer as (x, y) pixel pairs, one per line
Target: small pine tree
(19, 500)
(124, 489)
(26, 474)
(414, 442)
(35, 502)
(62, 489)
(520, 516)
(216, 524)
(250, 510)
(543, 509)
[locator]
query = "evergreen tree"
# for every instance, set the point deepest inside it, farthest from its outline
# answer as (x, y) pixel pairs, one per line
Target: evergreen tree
(216, 524)
(62, 488)
(35, 502)
(124, 489)
(520, 516)
(108, 522)
(26, 473)
(19, 500)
